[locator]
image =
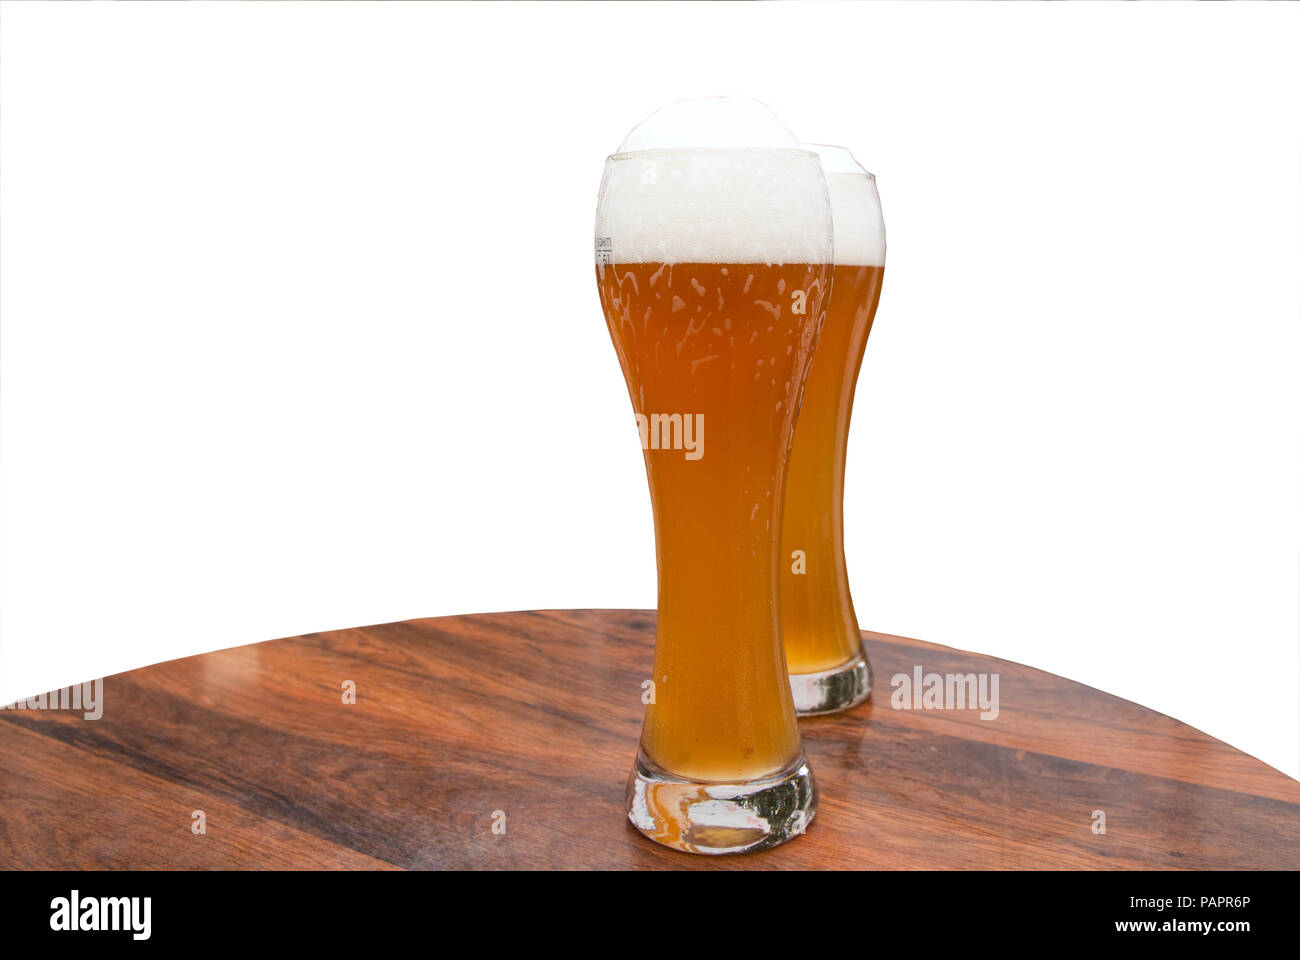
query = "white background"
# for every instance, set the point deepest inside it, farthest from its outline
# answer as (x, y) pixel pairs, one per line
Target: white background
(300, 328)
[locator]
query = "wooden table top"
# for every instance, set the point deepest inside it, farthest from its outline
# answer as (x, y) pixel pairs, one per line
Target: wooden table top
(531, 719)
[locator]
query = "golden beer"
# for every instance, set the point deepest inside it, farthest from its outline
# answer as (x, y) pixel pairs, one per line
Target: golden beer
(713, 249)
(828, 665)
(719, 346)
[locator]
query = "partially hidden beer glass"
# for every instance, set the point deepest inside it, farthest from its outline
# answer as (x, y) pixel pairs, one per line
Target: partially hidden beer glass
(713, 259)
(828, 664)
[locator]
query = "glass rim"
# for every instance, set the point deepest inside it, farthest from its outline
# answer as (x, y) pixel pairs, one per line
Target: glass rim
(662, 151)
(860, 172)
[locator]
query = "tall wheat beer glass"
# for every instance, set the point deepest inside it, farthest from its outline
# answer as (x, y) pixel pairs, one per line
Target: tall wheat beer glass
(829, 669)
(713, 259)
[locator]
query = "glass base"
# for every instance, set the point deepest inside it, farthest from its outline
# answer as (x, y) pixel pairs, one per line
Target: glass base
(830, 690)
(713, 818)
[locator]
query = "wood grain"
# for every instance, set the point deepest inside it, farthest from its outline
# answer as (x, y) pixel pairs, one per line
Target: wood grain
(536, 714)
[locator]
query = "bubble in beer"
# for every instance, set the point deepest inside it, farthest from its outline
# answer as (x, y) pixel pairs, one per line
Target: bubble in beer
(714, 180)
(855, 207)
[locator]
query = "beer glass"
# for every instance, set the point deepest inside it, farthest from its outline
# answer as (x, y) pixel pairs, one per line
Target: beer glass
(713, 259)
(828, 664)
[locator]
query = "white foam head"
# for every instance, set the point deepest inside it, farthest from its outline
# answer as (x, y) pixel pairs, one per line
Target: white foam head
(718, 180)
(717, 123)
(855, 206)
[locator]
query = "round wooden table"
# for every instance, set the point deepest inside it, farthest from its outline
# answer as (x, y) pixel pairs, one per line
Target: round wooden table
(503, 741)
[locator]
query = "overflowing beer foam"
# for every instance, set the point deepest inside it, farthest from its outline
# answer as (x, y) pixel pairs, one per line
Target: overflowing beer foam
(855, 207)
(717, 180)
(717, 123)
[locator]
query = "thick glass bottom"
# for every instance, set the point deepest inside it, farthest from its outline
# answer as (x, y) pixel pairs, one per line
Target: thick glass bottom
(715, 818)
(830, 690)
